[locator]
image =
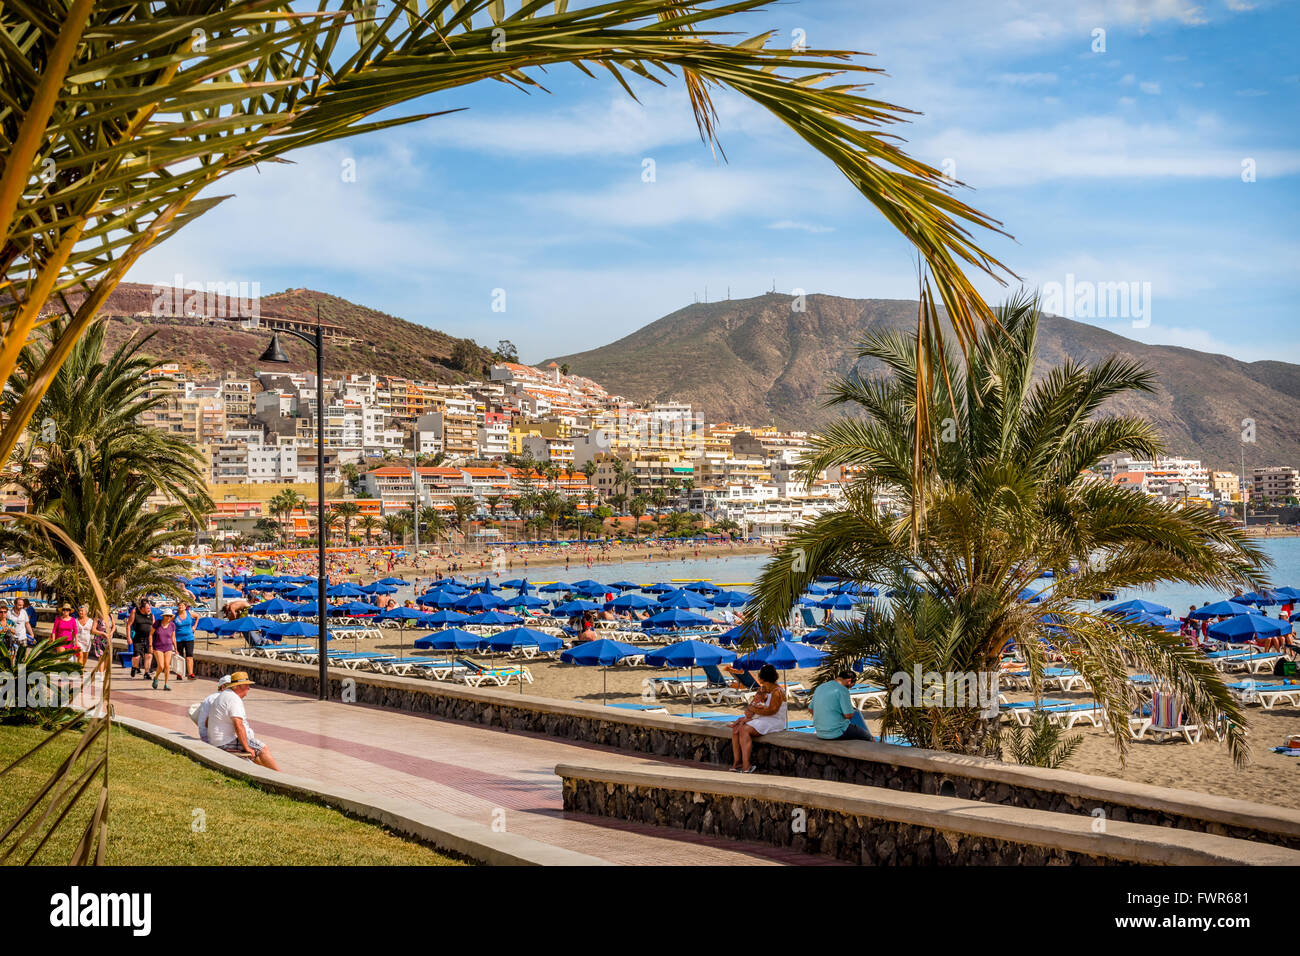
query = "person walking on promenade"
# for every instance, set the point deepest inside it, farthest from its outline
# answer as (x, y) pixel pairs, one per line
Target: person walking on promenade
(64, 630)
(139, 624)
(164, 645)
(185, 637)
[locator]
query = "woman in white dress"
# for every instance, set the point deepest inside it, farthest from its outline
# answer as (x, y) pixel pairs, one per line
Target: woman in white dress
(765, 713)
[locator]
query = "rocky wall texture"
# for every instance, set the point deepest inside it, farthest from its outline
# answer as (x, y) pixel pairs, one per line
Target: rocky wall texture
(842, 836)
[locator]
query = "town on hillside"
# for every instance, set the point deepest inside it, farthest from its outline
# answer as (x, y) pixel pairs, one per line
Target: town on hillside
(616, 466)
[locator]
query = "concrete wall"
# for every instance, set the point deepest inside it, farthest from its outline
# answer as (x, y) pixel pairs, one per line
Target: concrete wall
(878, 827)
(790, 754)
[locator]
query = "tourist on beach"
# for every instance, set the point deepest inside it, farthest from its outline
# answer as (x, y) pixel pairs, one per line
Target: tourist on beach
(588, 631)
(205, 707)
(228, 726)
(185, 637)
(834, 717)
(164, 644)
(139, 624)
(765, 713)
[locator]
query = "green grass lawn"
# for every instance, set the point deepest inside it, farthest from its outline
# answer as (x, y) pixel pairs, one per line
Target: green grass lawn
(165, 809)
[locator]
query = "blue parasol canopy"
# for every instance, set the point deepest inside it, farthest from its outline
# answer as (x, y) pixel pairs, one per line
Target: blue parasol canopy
(783, 655)
(452, 639)
(517, 637)
(1146, 607)
(689, 654)
(1221, 609)
(600, 653)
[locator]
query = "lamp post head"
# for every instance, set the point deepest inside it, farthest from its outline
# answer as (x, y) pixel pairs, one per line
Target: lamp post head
(274, 353)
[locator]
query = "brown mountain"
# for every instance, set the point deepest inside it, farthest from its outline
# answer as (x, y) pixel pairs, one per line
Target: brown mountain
(375, 341)
(757, 361)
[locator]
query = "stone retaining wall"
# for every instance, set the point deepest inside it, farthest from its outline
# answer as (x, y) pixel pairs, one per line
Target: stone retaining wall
(787, 754)
(879, 827)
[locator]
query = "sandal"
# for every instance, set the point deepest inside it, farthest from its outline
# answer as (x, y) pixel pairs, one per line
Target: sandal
(155, 683)
(750, 770)
(167, 686)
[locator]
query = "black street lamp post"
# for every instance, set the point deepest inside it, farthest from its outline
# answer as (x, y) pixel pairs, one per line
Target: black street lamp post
(274, 353)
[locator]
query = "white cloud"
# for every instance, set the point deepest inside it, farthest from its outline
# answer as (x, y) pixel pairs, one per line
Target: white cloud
(804, 226)
(1102, 147)
(1150, 89)
(1028, 79)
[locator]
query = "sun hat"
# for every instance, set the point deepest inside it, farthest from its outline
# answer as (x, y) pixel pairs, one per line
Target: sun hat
(65, 606)
(168, 612)
(240, 678)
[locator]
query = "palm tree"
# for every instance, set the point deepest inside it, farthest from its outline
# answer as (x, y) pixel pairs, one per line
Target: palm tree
(636, 508)
(123, 540)
(369, 524)
(688, 485)
(394, 527)
(552, 508)
(281, 505)
(434, 524)
(332, 519)
(465, 508)
(93, 423)
(659, 498)
(346, 511)
(1010, 500)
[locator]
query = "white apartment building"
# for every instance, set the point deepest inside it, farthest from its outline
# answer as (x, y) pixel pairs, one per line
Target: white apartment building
(494, 440)
(243, 459)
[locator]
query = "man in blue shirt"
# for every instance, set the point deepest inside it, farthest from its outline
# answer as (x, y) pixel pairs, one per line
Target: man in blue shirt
(833, 715)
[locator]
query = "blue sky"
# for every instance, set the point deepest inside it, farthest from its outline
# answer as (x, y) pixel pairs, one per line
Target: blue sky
(1122, 165)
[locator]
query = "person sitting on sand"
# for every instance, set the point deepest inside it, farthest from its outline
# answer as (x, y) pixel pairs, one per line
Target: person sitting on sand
(588, 631)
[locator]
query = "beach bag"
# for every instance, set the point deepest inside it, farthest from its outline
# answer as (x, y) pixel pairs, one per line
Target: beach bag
(1286, 668)
(194, 711)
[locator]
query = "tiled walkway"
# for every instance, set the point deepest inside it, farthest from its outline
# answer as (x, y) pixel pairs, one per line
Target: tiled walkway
(484, 775)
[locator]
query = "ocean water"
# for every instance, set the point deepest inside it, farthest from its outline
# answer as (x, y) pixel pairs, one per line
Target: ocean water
(737, 572)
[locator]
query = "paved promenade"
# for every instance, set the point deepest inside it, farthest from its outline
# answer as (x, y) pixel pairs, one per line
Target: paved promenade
(484, 775)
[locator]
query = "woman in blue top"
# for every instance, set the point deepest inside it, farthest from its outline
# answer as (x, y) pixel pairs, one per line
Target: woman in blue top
(185, 637)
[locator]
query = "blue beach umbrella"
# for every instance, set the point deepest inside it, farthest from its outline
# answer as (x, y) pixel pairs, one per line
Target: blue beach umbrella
(378, 588)
(1258, 598)
(1288, 592)
(296, 629)
(588, 584)
(480, 602)
(275, 606)
(526, 600)
(659, 589)
(632, 602)
(517, 637)
(570, 608)
(446, 617)
(1220, 609)
(352, 609)
(625, 586)
(1245, 627)
(492, 617)
(684, 599)
(783, 655)
(344, 590)
(555, 587)
(440, 598)
(394, 582)
(840, 602)
(603, 654)
(678, 617)
(1137, 604)
(208, 624)
(451, 639)
(243, 625)
(690, 654)
(304, 593)
(518, 584)
(729, 599)
(743, 632)
(702, 587)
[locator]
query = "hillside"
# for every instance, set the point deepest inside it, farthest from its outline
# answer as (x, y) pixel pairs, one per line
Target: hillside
(383, 344)
(754, 360)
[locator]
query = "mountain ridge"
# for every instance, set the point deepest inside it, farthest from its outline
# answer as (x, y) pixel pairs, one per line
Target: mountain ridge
(757, 361)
